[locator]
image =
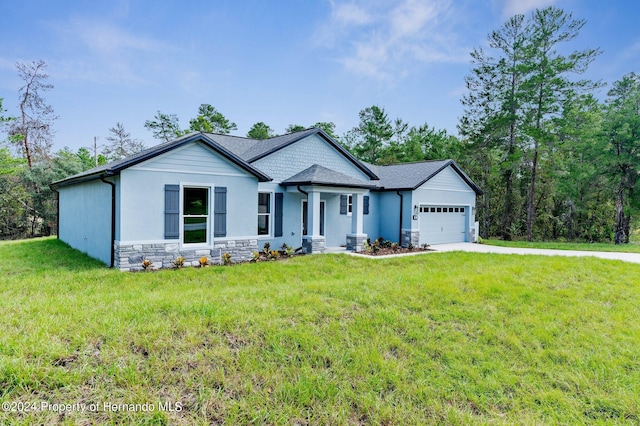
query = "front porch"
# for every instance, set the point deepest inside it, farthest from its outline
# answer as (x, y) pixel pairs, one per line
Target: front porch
(317, 230)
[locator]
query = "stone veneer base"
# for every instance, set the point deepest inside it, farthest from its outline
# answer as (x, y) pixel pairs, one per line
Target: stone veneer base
(356, 241)
(129, 257)
(409, 236)
(311, 245)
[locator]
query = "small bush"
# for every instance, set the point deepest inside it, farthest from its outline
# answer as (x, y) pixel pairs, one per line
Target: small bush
(266, 248)
(410, 246)
(179, 262)
(226, 259)
(204, 261)
(256, 256)
(147, 265)
(274, 255)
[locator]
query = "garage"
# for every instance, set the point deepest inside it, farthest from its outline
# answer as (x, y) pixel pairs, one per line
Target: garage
(443, 224)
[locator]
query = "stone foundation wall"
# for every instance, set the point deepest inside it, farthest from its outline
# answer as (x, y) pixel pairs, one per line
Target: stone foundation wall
(129, 257)
(312, 245)
(355, 242)
(409, 236)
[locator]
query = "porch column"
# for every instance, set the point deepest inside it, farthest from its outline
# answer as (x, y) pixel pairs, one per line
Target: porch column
(313, 200)
(357, 236)
(357, 218)
(314, 242)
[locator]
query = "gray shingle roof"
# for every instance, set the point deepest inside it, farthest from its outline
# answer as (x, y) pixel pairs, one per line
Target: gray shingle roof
(252, 150)
(408, 176)
(319, 175)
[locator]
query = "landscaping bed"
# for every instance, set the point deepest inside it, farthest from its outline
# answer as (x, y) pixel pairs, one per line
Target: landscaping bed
(382, 247)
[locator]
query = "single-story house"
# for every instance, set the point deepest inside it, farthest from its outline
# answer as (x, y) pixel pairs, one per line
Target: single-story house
(208, 194)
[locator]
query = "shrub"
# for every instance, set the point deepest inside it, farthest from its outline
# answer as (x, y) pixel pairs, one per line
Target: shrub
(147, 265)
(256, 256)
(410, 246)
(267, 248)
(290, 251)
(179, 262)
(274, 254)
(204, 261)
(394, 246)
(226, 259)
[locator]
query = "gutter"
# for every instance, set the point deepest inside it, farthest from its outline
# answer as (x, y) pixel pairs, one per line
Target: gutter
(400, 218)
(113, 217)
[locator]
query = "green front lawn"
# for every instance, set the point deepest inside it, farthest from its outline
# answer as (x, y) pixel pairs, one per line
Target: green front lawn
(626, 248)
(440, 338)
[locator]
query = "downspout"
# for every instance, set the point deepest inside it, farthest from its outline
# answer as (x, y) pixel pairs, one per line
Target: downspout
(53, 188)
(304, 192)
(400, 218)
(113, 218)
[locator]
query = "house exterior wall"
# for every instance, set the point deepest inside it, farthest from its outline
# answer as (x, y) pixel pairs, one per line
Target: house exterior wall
(389, 214)
(446, 188)
(303, 154)
(142, 194)
(85, 218)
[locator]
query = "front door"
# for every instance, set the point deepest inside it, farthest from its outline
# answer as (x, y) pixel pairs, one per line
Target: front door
(305, 217)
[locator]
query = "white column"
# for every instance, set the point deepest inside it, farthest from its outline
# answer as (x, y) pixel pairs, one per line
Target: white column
(313, 207)
(357, 218)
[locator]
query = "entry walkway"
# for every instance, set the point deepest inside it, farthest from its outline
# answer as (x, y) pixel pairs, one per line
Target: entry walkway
(485, 248)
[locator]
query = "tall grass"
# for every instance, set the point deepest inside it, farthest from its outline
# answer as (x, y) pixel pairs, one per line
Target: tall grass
(446, 338)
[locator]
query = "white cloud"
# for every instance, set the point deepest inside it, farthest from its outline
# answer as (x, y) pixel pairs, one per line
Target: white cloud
(514, 7)
(385, 39)
(350, 14)
(106, 51)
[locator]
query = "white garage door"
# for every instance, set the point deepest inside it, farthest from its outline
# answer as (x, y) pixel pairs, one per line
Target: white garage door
(442, 224)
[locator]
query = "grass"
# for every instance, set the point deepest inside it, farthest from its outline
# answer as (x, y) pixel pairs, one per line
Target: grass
(441, 338)
(625, 248)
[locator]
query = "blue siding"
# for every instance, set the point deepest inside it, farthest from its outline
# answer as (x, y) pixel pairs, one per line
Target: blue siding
(85, 218)
(303, 154)
(194, 157)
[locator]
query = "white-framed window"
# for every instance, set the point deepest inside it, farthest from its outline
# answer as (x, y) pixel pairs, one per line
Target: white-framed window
(196, 220)
(264, 213)
(349, 205)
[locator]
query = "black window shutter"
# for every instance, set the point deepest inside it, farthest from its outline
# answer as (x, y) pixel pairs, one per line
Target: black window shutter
(277, 230)
(171, 212)
(365, 206)
(343, 204)
(220, 211)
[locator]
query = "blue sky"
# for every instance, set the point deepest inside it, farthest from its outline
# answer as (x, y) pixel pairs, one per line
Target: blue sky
(281, 62)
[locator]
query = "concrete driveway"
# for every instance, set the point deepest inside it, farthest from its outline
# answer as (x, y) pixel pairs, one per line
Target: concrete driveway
(483, 248)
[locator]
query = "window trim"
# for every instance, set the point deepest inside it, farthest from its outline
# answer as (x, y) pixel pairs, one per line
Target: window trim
(270, 214)
(349, 204)
(209, 231)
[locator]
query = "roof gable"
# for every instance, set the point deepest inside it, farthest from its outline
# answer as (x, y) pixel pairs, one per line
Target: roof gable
(322, 176)
(115, 167)
(252, 150)
(410, 176)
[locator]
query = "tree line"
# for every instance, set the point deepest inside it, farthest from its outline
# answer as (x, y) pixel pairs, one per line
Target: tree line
(553, 161)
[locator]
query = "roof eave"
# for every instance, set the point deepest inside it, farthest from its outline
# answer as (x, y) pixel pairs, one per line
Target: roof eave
(331, 184)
